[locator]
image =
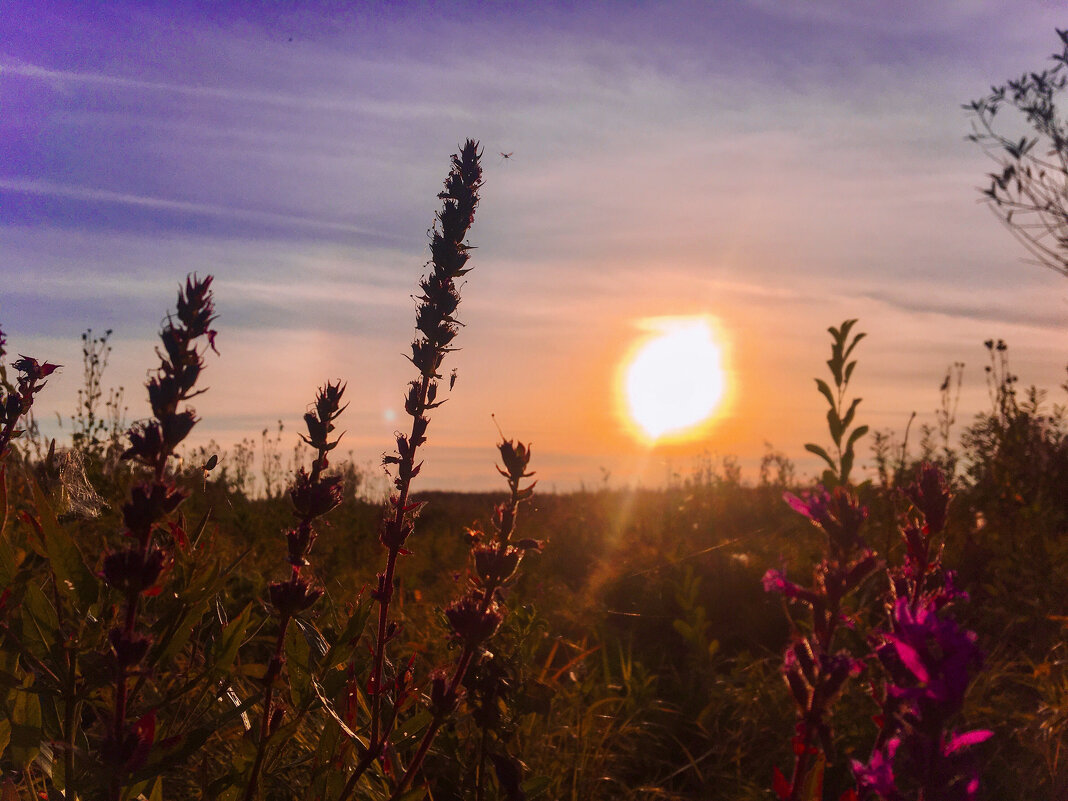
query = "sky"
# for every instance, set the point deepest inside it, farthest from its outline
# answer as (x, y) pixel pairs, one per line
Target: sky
(775, 167)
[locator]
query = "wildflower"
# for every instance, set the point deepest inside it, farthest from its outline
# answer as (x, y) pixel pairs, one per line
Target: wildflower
(18, 403)
(473, 621)
(495, 565)
(315, 498)
(814, 671)
(838, 514)
(33, 370)
(930, 494)
(516, 457)
(928, 660)
(291, 597)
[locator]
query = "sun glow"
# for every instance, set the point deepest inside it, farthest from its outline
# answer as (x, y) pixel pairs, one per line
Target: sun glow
(675, 381)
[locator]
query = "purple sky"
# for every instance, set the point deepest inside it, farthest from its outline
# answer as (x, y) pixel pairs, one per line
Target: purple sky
(779, 166)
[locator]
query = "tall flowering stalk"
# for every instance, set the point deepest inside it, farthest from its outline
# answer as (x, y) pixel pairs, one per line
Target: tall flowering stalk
(928, 661)
(437, 326)
(313, 495)
(815, 667)
(475, 617)
(134, 570)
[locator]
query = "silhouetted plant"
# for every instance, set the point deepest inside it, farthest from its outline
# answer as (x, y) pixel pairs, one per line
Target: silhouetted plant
(18, 401)
(133, 572)
(839, 417)
(313, 495)
(1026, 192)
(96, 431)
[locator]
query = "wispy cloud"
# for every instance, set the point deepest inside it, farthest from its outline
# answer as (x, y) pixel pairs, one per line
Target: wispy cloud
(393, 109)
(90, 195)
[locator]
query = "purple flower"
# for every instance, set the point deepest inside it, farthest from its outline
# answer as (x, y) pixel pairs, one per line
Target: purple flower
(930, 494)
(812, 505)
(775, 581)
(929, 660)
(839, 514)
(877, 777)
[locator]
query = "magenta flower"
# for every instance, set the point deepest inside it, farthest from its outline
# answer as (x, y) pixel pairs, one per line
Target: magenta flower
(929, 660)
(839, 514)
(877, 777)
(930, 494)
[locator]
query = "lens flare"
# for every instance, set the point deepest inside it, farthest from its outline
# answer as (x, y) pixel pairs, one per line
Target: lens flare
(675, 380)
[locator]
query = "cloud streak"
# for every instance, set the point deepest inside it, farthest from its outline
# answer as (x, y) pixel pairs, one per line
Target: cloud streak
(41, 187)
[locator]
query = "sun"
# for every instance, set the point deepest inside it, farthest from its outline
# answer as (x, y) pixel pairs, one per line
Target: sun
(675, 381)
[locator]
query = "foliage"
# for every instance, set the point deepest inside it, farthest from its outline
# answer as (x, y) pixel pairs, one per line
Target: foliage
(97, 431)
(840, 417)
(1026, 191)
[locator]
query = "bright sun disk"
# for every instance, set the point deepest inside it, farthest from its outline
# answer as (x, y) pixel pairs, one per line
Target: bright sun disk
(675, 380)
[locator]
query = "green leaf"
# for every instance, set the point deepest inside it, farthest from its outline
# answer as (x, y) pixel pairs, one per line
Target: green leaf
(820, 452)
(194, 535)
(193, 741)
(169, 647)
(8, 568)
(74, 579)
(157, 790)
(341, 724)
(853, 344)
(835, 425)
(821, 385)
(5, 734)
(812, 787)
(204, 583)
(536, 786)
(298, 665)
(3, 505)
(40, 625)
(849, 414)
(849, 372)
(858, 432)
(683, 628)
(412, 729)
(315, 639)
(224, 650)
(847, 465)
(345, 642)
(26, 732)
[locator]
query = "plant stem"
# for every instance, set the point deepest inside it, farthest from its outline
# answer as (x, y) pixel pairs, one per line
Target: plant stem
(273, 671)
(386, 589)
(467, 655)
